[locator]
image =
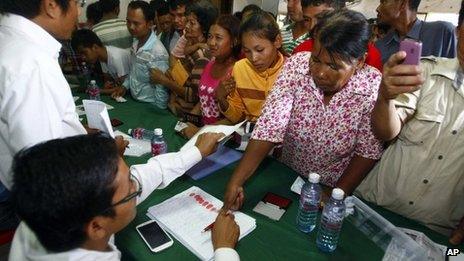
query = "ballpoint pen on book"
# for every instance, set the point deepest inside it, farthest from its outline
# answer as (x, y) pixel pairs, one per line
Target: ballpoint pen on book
(208, 228)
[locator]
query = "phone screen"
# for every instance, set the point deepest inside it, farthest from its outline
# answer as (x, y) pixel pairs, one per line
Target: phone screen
(154, 235)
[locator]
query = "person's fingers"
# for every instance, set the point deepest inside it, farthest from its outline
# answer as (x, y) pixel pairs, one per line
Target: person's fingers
(395, 59)
(218, 136)
(457, 237)
(405, 80)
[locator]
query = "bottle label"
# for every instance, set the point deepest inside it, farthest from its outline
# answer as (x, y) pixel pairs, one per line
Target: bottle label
(137, 134)
(158, 148)
(93, 92)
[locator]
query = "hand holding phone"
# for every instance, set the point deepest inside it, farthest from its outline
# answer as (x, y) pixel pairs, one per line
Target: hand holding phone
(154, 236)
(413, 51)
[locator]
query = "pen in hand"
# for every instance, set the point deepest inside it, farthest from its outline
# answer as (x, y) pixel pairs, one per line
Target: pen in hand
(208, 228)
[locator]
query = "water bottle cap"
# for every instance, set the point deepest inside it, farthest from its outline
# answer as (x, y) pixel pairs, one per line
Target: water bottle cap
(93, 82)
(314, 177)
(338, 194)
(158, 131)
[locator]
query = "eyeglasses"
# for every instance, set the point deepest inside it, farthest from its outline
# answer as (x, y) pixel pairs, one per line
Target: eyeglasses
(136, 193)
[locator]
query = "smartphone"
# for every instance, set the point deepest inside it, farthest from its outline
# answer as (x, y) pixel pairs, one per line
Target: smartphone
(115, 122)
(413, 51)
(154, 236)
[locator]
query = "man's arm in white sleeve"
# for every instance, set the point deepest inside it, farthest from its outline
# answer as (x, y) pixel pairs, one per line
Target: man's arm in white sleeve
(161, 170)
(226, 254)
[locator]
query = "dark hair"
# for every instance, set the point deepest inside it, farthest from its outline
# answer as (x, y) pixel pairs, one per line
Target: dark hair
(94, 12)
(461, 14)
(231, 24)
(414, 4)
(174, 4)
(84, 38)
(343, 32)
(108, 6)
(148, 13)
(162, 8)
(60, 185)
(261, 24)
(205, 12)
(336, 4)
(238, 15)
(251, 8)
(27, 8)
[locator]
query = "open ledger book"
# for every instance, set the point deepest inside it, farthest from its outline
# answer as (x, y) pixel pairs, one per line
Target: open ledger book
(186, 214)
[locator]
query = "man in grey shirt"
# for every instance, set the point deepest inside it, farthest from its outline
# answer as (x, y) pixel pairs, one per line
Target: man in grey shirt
(438, 38)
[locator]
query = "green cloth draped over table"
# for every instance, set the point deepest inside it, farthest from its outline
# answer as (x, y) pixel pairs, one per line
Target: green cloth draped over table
(271, 240)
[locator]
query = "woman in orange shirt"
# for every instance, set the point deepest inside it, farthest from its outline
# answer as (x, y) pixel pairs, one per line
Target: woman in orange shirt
(243, 95)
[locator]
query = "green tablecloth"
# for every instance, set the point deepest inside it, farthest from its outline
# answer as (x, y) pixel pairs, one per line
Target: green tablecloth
(271, 240)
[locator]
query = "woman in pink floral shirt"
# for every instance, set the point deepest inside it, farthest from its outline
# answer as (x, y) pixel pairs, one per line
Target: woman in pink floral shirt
(320, 110)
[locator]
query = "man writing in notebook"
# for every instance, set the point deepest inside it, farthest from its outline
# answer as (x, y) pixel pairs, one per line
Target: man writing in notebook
(74, 194)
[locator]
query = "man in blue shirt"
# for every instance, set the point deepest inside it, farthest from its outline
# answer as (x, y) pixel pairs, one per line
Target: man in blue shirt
(438, 38)
(147, 53)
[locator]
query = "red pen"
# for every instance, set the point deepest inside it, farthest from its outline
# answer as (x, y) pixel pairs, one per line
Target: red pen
(208, 228)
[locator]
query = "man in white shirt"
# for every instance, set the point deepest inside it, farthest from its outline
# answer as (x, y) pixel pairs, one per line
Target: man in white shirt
(83, 193)
(115, 61)
(35, 100)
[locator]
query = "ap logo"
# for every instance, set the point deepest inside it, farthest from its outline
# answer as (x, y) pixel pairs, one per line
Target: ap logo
(452, 252)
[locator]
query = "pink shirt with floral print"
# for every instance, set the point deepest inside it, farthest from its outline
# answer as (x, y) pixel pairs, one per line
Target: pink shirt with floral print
(316, 137)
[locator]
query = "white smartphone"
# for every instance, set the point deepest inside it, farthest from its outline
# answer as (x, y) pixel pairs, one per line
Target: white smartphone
(154, 236)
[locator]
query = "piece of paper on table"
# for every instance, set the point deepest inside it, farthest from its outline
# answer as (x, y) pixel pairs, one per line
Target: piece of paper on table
(136, 147)
(434, 251)
(80, 109)
(186, 214)
(226, 129)
(297, 185)
(97, 116)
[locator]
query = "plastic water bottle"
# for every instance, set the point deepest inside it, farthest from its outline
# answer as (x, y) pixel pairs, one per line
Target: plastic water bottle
(310, 198)
(331, 222)
(141, 134)
(158, 144)
(93, 91)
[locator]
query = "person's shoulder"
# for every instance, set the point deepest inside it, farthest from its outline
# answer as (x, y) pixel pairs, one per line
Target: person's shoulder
(286, 27)
(241, 63)
(115, 49)
(368, 78)
(439, 66)
(440, 25)
(298, 63)
(18, 55)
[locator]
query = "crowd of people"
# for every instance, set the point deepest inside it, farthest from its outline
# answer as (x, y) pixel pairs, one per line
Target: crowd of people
(328, 88)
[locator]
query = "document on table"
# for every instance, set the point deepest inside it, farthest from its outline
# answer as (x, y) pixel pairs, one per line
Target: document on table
(80, 108)
(226, 129)
(136, 147)
(97, 116)
(185, 216)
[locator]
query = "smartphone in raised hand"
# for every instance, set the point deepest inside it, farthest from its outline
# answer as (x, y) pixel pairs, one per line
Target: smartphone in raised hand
(413, 49)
